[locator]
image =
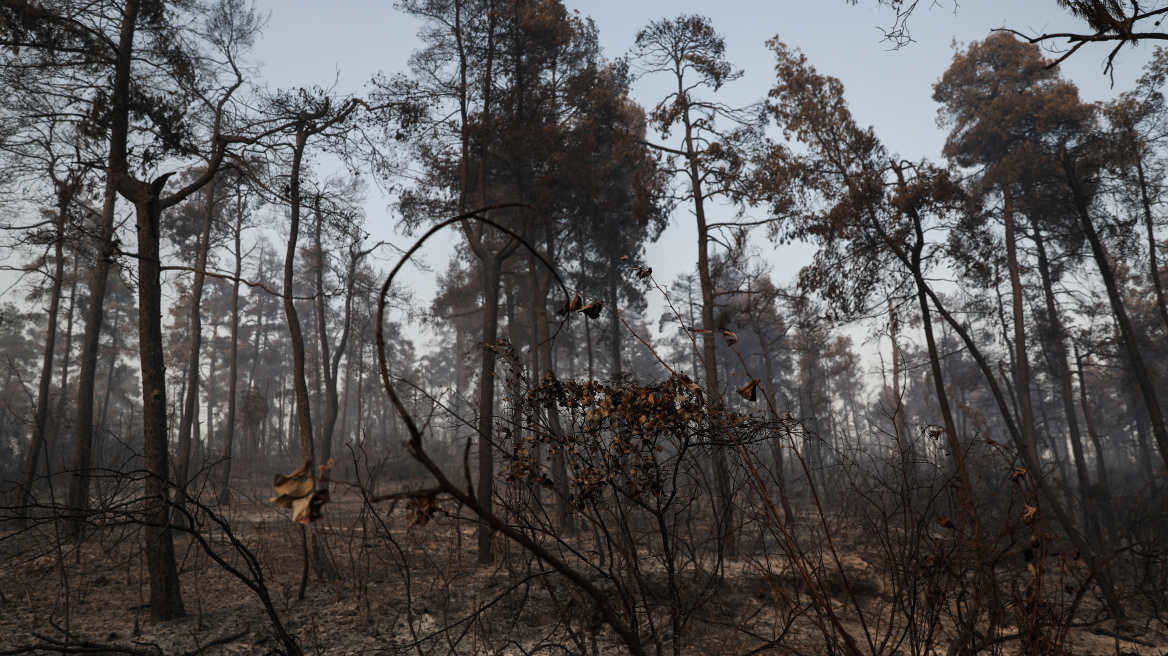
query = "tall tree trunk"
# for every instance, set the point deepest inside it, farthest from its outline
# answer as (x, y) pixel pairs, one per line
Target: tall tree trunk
(559, 466)
(776, 441)
(165, 595)
(330, 365)
(1150, 226)
(904, 442)
(66, 359)
(40, 420)
(1139, 370)
(251, 451)
(205, 444)
(491, 283)
(232, 363)
(916, 266)
(1100, 460)
(299, 379)
(115, 346)
(321, 564)
(616, 327)
(1062, 367)
(191, 402)
(78, 496)
(1021, 357)
(725, 519)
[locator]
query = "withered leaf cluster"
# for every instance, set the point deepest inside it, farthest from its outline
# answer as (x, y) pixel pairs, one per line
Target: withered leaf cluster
(421, 510)
(298, 492)
(576, 304)
(613, 437)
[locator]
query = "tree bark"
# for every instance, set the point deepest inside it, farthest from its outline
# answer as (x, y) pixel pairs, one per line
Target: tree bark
(559, 466)
(77, 499)
(165, 594)
(1150, 226)
(322, 566)
(299, 380)
(1021, 357)
(616, 327)
(776, 441)
(191, 402)
(1100, 460)
(725, 518)
(37, 443)
(916, 266)
(1127, 332)
(491, 282)
(1062, 367)
(232, 364)
(330, 365)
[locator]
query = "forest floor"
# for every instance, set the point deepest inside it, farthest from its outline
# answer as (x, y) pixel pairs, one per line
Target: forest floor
(399, 590)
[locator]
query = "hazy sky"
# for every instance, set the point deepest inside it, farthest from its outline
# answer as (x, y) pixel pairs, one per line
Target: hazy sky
(307, 44)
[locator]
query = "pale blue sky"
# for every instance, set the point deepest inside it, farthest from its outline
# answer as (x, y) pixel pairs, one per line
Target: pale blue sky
(307, 44)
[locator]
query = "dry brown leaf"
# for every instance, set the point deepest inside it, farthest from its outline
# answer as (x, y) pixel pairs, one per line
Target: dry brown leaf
(324, 469)
(644, 273)
(592, 310)
(296, 485)
(283, 501)
(296, 492)
(572, 305)
(421, 510)
(749, 391)
(306, 510)
(731, 338)
(700, 331)
(1028, 512)
(623, 257)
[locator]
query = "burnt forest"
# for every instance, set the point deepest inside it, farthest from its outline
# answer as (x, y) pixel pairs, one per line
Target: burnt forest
(583, 327)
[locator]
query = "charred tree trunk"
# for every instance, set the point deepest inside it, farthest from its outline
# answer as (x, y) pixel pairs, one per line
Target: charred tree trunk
(78, 495)
(1100, 460)
(119, 117)
(1062, 367)
(776, 441)
(321, 565)
(1150, 226)
(330, 365)
(191, 402)
(232, 365)
(37, 444)
(616, 327)
(1127, 332)
(709, 348)
(491, 283)
(559, 466)
(1022, 358)
(165, 595)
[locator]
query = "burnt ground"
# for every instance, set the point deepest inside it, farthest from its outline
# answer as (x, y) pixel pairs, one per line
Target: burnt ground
(400, 589)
